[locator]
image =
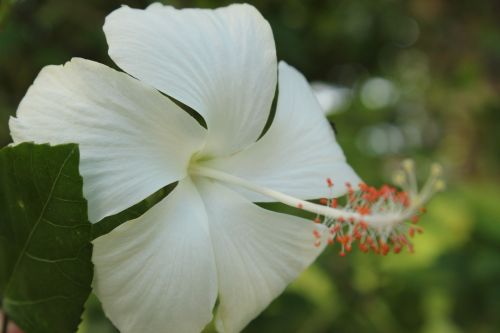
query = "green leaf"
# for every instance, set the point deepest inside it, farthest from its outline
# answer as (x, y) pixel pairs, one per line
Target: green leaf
(108, 223)
(45, 249)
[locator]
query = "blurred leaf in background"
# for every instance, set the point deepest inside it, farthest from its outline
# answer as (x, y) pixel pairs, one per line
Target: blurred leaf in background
(419, 78)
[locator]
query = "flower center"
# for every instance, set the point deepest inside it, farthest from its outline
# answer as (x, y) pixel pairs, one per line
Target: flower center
(377, 219)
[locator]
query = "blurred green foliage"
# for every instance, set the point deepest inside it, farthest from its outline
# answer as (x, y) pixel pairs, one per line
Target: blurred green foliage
(422, 80)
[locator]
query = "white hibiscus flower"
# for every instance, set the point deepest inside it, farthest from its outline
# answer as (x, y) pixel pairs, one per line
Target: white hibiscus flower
(164, 271)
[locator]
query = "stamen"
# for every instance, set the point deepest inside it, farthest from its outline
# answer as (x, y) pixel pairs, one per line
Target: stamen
(371, 204)
(377, 219)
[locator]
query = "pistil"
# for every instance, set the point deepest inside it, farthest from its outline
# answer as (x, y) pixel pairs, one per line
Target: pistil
(375, 218)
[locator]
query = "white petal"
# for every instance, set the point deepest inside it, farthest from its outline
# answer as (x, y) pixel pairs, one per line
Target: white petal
(257, 252)
(298, 153)
(221, 63)
(157, 273)
(133, 140)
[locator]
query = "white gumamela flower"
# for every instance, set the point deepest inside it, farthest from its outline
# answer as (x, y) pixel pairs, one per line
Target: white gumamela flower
(164, 271)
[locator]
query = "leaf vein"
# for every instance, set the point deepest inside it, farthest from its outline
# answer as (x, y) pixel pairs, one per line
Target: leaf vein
(34, 302)
(47, 260)
(42, 213)
(68, 200)
(76, 226)
(69, 278)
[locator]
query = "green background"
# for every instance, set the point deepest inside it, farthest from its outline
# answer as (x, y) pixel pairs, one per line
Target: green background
(421, 79)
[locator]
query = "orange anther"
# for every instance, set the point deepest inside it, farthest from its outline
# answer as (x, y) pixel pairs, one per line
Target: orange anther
(363, 210)
(363, 247)
(357, 235)
(363, 187)
(334, 203)
(342, 239)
